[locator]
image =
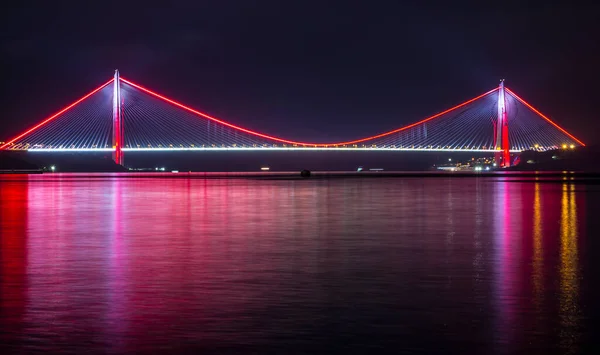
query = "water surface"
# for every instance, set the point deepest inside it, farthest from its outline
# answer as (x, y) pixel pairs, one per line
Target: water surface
(106, 264)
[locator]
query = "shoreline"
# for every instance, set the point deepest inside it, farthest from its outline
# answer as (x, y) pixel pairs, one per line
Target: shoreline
(296, 175)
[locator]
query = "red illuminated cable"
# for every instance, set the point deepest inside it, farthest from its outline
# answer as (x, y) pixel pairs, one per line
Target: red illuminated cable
(210, 117)
(544, 117)
(55, 115)
(417, 123)
(300, 143)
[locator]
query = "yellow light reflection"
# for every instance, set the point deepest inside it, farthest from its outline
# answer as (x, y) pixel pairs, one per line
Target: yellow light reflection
(569, 268)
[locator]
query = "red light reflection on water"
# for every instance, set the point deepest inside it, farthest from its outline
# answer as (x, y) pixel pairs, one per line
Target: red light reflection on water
(13, 254)
(504, 240)
(537, 266)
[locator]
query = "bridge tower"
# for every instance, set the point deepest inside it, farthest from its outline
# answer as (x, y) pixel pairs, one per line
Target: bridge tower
(501, 144)
(117, 138)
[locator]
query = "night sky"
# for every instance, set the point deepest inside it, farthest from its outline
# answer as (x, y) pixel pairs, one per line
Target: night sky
(304, 70)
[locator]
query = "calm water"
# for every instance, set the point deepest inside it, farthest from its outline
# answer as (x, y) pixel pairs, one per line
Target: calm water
(415, 265)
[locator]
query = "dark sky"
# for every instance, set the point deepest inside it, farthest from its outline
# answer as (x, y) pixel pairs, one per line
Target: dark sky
(304, 70)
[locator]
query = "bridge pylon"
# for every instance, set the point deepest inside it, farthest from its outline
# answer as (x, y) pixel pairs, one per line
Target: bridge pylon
(501, 143)
(117, 136)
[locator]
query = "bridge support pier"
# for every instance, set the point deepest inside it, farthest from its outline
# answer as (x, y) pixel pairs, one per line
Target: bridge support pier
(117, 137)
(501, 142)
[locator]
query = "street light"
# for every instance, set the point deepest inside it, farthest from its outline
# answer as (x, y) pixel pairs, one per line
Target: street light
(52, 168)
(572, 146)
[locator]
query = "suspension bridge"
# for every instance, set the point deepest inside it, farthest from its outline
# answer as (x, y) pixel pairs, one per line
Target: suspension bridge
(121, 116)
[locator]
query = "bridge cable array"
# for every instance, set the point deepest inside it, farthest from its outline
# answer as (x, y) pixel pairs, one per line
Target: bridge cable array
(155, 122)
